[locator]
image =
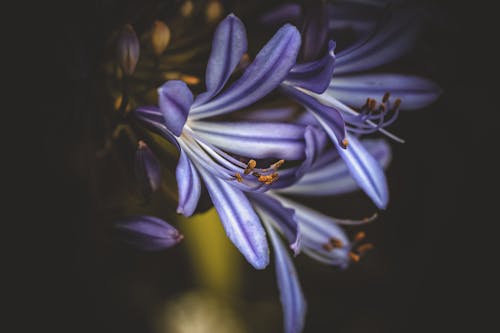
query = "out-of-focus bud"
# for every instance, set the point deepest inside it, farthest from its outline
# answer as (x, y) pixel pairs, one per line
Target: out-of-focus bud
(147, 233)
(127, 49)
(160, 37)
(147, 169)
(187, 8)
(214, 11)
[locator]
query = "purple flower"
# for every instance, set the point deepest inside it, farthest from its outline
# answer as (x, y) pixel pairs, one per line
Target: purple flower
(147, 233)
(147, 169)
(212, 149)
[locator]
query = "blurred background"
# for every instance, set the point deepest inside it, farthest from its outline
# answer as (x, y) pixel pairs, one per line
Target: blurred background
(421, 276)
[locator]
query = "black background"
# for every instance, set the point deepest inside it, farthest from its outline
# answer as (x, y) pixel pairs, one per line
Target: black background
(431, 241)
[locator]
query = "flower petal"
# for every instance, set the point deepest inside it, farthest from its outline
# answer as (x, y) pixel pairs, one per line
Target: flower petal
(291, 296)
(228, 46)
(147, 233)
(188, 184)
(175, 99)
(314, 31)
(318, 230)
(263, 75)
(239, 219)
(315, 75)
(331, 118)
(415, 92)
(254, 139)
(332, 177)
(147, 169)
(281, 218)
(389, 42)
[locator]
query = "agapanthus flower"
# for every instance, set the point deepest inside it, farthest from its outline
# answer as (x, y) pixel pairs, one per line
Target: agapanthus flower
(210, 148)
(347, 104)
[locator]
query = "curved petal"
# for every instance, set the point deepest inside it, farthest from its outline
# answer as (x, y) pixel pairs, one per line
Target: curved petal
(395, 37)
(263, 75)
(367, 172)
(147, 169)
(175, 99)
(254, 139)
(239, 219)
(291, 296)
(281, 218)
(314, 30)
(228, 46)
(321, 236)
(315, 75)
(188, 184)
(330, 117)
(333, 176)
(147, 233)
(415, 92)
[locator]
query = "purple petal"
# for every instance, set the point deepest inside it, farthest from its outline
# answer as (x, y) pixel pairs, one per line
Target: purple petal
(253, 139)
(315, 75)
(317, 230)
(291, 296)
(367, 172)
(290, 12)
(394, 38)
(239, 219)
(314, 31)
(175, 99)
(333, 176)
(280, 217)
(228, 46)
(263, 75)
(147, 169)
(331, 118)
(415, 92)
(147, 233)
(188, 184)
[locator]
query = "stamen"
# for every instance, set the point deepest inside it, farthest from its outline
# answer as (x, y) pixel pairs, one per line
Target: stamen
(250, 166)
(396, 105)
(238, 178)
(365, 247)
(345, 142)
(371, 103)
(359, 236)
(277, 165)
(268, 179)
(336, 243)
(327, 247)
(354, 257)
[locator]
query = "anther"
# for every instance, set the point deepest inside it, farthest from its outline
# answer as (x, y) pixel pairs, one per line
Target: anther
(371, 103)
(327, 247)
(354, 257)
(359, 236)
(386, 97)
(250, 166)
(363, 248)
(336, 243)
(238, 178)
(277, 165)
(268, 179)
(396, 105)
(345, 142)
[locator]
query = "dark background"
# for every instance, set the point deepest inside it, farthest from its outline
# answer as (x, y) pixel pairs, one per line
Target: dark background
(428, 272)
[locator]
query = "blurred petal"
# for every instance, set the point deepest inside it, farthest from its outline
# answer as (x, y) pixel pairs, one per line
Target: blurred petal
(175, 99)
(152, 117)
(393, 38)
(318, 230)
(242, 225)
(263, 75)
(290, 12)
(415, 92)
(188, 183)
(315, 75)
(332, 120)
(333, 176)
(314, 30)
(280, 217)
(147, 233)
(291, 296)
(253, 139)
(228, 46)
(147, 169)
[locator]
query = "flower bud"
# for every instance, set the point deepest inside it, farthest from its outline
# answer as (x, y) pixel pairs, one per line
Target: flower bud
(147, 233)
(160, 37)
(147, 169)
(127, 49)
(214, 11)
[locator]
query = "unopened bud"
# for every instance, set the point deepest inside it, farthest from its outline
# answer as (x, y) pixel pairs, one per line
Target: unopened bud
(147, 169)
(127, 49)
(160, 37)
(214, 11)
